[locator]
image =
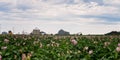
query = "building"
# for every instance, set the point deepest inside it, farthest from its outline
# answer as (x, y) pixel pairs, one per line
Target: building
(4, 33)
(42, 33)
(35, 31)
(62, 32)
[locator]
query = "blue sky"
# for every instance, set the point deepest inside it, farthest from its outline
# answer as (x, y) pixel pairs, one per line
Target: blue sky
(86, 16)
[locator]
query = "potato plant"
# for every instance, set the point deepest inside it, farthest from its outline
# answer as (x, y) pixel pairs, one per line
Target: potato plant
(59, 47)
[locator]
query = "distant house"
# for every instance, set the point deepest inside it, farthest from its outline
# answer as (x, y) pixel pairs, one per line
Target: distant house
(42, 33)
(35, 31)
(4, 33)
(62, 32)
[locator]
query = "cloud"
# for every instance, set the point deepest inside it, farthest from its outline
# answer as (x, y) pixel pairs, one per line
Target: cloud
(49, 9)
(112, 2)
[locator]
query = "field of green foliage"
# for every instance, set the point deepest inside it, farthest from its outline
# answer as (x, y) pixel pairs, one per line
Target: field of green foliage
(59, 48)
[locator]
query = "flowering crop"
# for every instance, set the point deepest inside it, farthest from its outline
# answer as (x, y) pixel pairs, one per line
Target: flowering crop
(59, 48)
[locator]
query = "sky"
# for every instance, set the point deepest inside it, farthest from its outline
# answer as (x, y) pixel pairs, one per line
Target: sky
(85, 16)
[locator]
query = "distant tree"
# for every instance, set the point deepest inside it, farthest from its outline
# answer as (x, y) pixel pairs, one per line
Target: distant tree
(113, 33)
(79, 33)
(10, 32)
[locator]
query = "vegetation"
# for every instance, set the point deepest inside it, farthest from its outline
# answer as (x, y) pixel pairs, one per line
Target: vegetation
(113, 33)
(59, 48)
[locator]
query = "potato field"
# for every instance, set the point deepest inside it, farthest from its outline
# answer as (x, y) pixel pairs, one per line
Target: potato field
(18, 47)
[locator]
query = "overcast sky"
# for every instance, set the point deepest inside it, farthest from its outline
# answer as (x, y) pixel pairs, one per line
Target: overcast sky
(86, 16)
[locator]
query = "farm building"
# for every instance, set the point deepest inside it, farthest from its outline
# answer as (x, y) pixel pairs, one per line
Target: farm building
(35, 31)
(4, 33)
(62, 32)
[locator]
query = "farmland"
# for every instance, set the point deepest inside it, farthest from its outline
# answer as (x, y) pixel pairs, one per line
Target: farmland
(59, 47)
